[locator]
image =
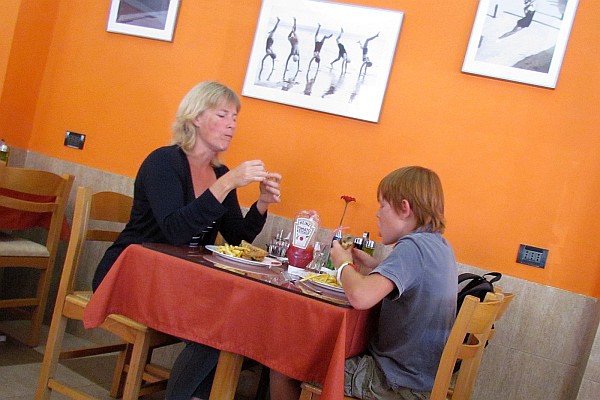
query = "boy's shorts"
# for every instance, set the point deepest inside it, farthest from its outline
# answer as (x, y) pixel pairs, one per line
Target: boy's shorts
(365, 380)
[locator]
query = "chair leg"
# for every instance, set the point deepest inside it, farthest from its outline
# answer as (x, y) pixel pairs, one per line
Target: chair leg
(51, 355)
(139, 355)
(227, 375)
(307, 395)
(118, 382)
(41, 296)
(312, 392)
(37, 314)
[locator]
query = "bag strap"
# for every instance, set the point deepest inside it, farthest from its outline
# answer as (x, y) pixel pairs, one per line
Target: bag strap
(496, 276)
(475, 281)
(467, 275)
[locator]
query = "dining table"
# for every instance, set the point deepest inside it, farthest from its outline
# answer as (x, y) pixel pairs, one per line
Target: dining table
(243, 308)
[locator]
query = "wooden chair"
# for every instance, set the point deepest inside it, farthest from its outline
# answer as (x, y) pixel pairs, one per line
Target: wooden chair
(464, 380)
(506, 298)
(40, 197)
(133, 363)
(475, 319)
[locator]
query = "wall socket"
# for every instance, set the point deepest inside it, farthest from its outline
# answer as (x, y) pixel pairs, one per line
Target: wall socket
(74, 140)
(534, 256)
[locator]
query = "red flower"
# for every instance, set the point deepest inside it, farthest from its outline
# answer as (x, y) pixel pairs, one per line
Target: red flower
(347, 199)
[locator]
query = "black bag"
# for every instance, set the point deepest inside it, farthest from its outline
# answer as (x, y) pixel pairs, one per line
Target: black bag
(475, 285)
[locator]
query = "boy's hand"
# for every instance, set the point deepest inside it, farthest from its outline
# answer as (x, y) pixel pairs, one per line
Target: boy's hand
(339, 255)
(364, 260)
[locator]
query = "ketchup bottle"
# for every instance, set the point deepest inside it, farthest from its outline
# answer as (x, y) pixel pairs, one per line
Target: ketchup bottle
(300, 252)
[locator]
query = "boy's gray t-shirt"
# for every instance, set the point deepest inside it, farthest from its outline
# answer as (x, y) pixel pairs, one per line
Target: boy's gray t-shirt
(417, 316)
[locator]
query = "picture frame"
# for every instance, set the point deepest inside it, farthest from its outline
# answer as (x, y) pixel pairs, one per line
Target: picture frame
(520, 40)
(149, 19)
(297, 60)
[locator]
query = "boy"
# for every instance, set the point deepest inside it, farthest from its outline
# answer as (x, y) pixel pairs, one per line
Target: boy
(416, 285)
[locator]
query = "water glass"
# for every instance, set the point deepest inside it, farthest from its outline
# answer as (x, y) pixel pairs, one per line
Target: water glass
(319, 258)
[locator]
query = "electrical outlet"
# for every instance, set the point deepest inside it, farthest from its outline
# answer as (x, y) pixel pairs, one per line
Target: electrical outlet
(74, 140)
(534, 256)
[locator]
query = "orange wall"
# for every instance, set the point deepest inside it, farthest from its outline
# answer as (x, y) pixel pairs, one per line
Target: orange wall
(8, 19)
(31, 44)
(520, 163)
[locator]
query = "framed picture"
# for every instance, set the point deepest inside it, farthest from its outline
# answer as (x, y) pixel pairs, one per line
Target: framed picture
(520, 40)
(324, 56)
(154, 19)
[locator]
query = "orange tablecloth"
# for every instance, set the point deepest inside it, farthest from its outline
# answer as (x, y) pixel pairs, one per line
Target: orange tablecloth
(11, 219)
(298, 335)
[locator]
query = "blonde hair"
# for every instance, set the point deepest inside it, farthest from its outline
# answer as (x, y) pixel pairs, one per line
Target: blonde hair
(422, 188)
(203, 96)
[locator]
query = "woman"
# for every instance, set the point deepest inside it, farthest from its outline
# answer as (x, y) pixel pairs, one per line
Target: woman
(183, 194)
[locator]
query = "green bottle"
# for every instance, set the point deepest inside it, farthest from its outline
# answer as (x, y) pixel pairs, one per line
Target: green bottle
(4, 152)
(369, 247)
(337, 235)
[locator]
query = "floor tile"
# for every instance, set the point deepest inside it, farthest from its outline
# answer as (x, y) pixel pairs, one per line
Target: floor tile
(20, 368)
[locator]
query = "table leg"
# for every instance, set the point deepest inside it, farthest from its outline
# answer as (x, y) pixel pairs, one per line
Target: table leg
(226, 376)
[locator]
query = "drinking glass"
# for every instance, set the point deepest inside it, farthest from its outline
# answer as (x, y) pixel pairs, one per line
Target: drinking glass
(319, 258)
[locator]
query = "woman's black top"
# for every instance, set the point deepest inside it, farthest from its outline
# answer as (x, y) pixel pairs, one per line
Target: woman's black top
(166, 210)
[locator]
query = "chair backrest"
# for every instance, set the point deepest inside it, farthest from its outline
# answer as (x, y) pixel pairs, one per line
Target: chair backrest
(109, 209)
(507, 298)
(37, 191)
(474, 320)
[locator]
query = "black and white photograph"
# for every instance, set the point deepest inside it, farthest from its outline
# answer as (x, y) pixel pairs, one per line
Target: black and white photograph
(324, 56)
(520, 40)
(154, 19)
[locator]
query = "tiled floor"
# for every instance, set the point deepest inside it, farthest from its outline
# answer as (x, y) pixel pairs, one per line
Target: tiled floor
(20, 367)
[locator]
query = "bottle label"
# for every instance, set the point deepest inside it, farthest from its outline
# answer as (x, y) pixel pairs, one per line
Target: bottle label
(304, 229)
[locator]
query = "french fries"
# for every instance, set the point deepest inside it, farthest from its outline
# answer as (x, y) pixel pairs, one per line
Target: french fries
(246, 251)
(324, 278)
(235, 251)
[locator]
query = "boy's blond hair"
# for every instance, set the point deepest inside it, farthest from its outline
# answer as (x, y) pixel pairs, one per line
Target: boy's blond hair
(422, 188)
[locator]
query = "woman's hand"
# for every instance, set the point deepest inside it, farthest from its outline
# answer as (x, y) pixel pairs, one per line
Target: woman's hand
(270, 191)
(246, 173)
(242, 175)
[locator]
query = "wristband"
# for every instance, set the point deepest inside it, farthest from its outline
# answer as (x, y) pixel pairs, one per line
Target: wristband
(339, 270)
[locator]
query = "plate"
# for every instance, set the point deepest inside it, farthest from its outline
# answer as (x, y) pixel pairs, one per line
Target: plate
(267, 262)
(326, 286)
